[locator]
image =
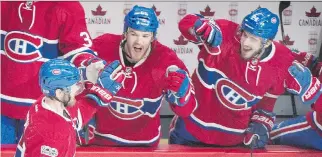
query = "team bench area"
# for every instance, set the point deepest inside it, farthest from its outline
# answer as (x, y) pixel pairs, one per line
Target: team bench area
(165, 150)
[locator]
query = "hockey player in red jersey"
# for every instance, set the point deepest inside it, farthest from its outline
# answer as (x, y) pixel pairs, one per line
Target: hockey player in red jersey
(152, 72)
(32, 33)
(303, 131)
(52, 121)
(240, 74)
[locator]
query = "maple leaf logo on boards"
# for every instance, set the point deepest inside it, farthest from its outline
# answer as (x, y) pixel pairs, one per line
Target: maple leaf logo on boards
(98, 16)
(181, 41)
(155, 10)
(313, 13)
(99, 11)
(312, 18)
(287, 41)
(207, 12)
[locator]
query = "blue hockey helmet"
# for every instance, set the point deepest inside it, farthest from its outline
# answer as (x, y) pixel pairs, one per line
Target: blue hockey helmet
(142, 19)
(262, 23)
(57, 74)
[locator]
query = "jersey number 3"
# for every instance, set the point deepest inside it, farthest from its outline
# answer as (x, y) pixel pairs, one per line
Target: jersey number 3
(87, 39)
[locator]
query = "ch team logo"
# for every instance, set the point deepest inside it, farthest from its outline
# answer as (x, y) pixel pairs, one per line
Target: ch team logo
(22, 47)
(129, 109)
(228, 93)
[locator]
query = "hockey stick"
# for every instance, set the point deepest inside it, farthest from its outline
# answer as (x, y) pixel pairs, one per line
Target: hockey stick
(282, 6)
(252, 146)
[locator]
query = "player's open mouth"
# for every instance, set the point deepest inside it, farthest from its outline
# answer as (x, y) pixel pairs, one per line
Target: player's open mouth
(137, 49)
(246, 49)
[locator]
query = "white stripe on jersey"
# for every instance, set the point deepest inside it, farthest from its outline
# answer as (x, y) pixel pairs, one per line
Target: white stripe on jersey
(31, 101)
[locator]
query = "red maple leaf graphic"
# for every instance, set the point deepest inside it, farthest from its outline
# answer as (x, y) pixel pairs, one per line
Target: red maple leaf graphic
(287, 41)
(155, 10)
(181, 41)
(98, 11)
(312, 13)
(207, 12)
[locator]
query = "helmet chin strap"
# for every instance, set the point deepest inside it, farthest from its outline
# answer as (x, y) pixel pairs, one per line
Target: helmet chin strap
(64, 103)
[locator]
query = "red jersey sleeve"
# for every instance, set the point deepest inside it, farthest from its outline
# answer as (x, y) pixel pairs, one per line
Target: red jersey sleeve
(73, 31)
(5, 7)
(209, 54)
(74, 39)
(186, 110)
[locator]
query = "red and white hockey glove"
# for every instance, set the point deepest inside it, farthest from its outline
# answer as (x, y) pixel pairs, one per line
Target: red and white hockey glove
(108, 84)
(303, 83)
(257, 133)
(208, 31)
(178, 86)
(317, 106)
(90, 68)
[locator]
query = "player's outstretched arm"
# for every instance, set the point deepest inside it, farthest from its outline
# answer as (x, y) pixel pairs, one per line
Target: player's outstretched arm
(201, 31)
(99, 94)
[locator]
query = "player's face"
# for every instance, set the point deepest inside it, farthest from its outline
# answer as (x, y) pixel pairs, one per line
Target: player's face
(69, 97)
(250, 45)
(137, 44)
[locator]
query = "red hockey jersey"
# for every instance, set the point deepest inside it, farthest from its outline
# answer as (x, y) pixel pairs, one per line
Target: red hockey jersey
(228, 86)
(132, 118)
(47, 133)
(32, 33)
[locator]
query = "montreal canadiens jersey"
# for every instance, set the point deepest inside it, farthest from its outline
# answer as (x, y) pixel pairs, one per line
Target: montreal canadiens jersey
(32, 33)
(47, 133)
(227, 86)
(132, 117)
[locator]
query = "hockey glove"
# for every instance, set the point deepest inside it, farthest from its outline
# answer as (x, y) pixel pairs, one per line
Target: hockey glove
(257, 133)
(178, 86)
(208, 31)
(90, 68)
(307, 59)
(108, 84)
(307, 87)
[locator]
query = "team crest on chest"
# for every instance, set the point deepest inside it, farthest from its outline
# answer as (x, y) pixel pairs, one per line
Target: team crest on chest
(230, 94)
(22, 47)
(129, 109)
(234, 97)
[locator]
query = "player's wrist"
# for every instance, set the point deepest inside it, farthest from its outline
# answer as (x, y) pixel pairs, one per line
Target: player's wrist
(264, 118)
(100, 95)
